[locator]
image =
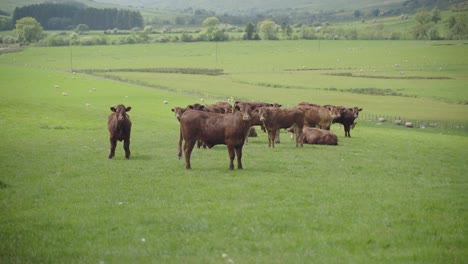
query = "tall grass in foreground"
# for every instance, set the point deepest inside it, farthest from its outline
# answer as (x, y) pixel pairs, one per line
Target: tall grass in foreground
(382, 196)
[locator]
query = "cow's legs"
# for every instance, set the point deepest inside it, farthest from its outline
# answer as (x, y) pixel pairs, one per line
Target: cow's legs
(239, 157)
(113, 144)
(179, 146)
(127, 148)
(188, 147)
(271, 138)
(232, 155)
(277, 136)
(299, 140)
(346, 129)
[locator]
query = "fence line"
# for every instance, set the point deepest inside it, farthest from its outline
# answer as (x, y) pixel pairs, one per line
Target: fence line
(416, 123)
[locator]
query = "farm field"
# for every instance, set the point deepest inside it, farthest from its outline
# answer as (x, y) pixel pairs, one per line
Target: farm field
(389, 194)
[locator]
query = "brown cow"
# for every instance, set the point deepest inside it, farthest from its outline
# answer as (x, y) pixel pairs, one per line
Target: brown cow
(213, 129)
(275, 118)
(312, 135)
(347, 117)
(119, 125)
(256, 119)
(318, 116)
(179, 111)
(227, 107)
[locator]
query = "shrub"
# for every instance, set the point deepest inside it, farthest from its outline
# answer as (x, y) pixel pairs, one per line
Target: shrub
(53, 41)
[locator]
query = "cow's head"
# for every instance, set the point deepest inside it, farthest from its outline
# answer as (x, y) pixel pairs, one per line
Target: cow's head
(335, 111)
(263, 113)
(196, 107)
(356, 111)
(178, 112)
(121, 111)
(245, 109)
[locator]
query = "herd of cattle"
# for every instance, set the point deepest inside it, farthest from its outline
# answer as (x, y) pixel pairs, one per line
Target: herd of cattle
(223, 123)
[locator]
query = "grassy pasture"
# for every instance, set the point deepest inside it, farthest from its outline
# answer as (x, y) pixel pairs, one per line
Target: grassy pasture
(382, 196)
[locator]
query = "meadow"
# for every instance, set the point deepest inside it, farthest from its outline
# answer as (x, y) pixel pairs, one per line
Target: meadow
(387, 195)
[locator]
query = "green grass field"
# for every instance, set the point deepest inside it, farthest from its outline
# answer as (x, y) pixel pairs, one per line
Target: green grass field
(386, 195)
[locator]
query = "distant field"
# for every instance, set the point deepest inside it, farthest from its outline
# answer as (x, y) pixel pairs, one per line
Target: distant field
(386, 195)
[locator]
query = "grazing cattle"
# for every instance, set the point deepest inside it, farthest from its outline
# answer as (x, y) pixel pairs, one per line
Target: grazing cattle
(312, 135)
(213, 129)
(347, 117)
(319, 116)
(275, 118)
(119, 126)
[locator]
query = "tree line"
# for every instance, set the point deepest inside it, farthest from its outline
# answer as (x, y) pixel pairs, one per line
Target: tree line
(65, 16)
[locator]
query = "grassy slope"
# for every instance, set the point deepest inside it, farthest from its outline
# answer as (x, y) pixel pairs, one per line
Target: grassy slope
(381, 196)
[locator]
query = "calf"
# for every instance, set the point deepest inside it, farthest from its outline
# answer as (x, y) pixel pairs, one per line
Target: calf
(275, 118)
(213, 129)
(119, 126)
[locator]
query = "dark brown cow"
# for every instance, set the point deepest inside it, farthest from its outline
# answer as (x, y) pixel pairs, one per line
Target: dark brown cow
(213, 129)
(347, 117)
(312, 135)
(275, 118)
(318, 116)
(119, 125)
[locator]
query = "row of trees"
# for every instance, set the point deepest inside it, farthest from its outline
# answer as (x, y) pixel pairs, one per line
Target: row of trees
(67, 16)
(426, 27)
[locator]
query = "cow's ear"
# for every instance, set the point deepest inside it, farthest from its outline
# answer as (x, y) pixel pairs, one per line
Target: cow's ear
(113, 109)
(190, 106)
(128, 109)
(202, 107)
(360, 109)
(173, 110)
(236, 108)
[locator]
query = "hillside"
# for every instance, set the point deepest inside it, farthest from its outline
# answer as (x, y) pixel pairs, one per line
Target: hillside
(256, 6)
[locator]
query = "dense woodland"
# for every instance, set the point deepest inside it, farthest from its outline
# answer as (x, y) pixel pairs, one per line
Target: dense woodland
(66, 16)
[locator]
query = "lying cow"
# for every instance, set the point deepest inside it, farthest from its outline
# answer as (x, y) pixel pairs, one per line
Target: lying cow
(213, 129)
(312, 135)
(119, 126)
(275, 118)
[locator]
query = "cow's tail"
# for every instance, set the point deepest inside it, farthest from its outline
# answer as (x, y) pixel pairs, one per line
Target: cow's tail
(179, 147)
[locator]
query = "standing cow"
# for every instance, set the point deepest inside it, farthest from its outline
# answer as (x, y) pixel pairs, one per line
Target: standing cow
(119, 125)
(275, 118)
(318, 116)
(347, 117)
(213, 129)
